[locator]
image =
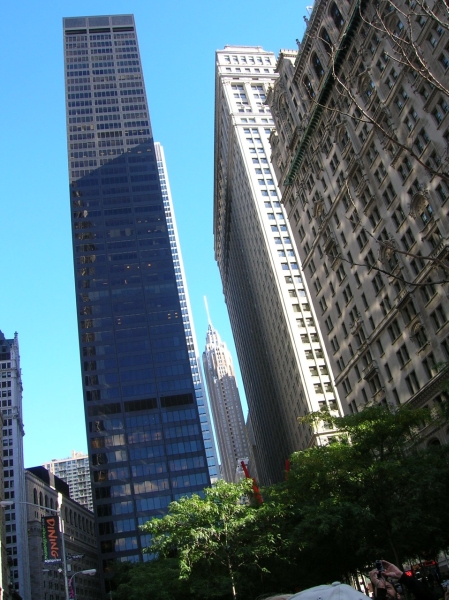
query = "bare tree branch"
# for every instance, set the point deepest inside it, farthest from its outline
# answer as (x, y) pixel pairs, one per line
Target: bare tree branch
(398, 277)
(406, 43)
(345, 92)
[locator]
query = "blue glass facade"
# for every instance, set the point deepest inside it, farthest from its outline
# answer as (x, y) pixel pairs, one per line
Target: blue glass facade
(144, 432)
(186, 312)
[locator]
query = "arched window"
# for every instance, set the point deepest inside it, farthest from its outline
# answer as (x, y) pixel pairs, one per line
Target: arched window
(46, 500)
(317, 66)
(336, 16)
(309, 87)
(41, 499)
(51, 502)
(35, 496)
(325, 38)
(71, 518)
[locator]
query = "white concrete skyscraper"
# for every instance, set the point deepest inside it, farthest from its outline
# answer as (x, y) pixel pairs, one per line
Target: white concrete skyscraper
(76, 472)
(13, 469)
(225, 402)
(279, 344)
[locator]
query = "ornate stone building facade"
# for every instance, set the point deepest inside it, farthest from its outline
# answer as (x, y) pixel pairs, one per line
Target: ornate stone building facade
(14, 514)
(44, 489)
(361, 154)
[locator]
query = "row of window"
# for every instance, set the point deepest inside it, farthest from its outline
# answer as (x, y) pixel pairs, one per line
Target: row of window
(240, 59)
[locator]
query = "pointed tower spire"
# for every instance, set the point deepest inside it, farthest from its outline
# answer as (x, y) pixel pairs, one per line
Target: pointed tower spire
(208, 314)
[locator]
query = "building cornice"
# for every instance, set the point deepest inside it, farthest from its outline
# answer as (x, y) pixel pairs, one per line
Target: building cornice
(327, 87)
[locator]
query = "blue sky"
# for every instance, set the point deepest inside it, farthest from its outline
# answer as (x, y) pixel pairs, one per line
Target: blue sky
(177, 41)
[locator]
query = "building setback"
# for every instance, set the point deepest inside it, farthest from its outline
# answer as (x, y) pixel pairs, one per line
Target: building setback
(13, 467)
(144, 433)
(226, 406)
(365, 187)
(75, 471)
(186, 312)
(44, 489)
(281, 353)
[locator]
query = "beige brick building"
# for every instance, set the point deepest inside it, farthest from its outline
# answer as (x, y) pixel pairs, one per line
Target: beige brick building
(45, 490)
(361, 156)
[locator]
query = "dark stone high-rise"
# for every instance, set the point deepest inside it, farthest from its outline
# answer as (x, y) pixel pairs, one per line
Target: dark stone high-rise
(143, 426)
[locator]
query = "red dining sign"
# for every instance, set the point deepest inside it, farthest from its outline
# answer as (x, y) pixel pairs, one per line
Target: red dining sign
(51, 540)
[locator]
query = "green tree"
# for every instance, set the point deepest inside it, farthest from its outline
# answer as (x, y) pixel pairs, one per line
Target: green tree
(374, 492)
(153, 580)
(210, 537)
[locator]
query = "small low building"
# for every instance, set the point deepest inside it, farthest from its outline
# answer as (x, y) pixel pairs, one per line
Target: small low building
(47, 491)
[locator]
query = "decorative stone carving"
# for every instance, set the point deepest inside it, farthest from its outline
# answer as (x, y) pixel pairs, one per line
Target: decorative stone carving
(386, 251)
(318, 208)
(418, 203)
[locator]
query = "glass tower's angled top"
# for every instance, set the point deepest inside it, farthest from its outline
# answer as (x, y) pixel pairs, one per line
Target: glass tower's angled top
(144, 433)
(186, 311)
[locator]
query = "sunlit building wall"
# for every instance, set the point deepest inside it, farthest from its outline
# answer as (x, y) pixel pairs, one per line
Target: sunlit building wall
(13, 467)
(366, 196)
(75, 471)
(282, 357)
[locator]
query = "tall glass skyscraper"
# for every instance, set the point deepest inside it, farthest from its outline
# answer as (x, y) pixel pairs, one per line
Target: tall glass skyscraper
(143, 424)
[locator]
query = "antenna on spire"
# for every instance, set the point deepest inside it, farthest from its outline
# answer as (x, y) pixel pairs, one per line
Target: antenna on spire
(207, 310)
